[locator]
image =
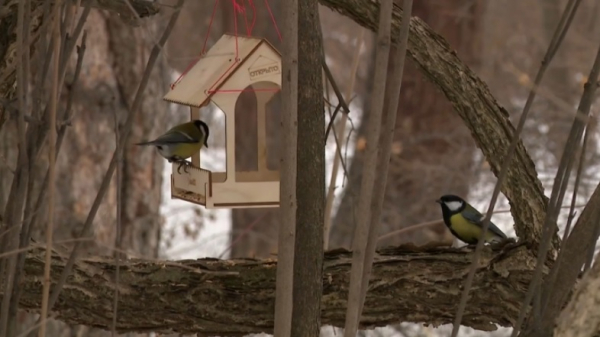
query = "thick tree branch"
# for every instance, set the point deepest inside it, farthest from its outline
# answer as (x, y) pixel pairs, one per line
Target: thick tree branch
(581, 317)
(472, 100)
(212, 296)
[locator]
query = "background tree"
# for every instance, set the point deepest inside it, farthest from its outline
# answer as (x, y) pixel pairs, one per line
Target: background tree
(116, 55)
(427, 134)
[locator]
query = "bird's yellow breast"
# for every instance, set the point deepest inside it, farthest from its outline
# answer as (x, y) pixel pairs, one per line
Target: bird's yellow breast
(186, 150)
(467, 231)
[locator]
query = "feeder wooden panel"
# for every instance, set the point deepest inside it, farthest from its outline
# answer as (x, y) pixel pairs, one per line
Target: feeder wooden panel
(217, 77)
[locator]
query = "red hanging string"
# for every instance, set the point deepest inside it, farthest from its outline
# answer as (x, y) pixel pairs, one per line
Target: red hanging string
(212, 18)
(251, 3)
(273, 19)
(237, 8)
(193, 63)
(243, 6)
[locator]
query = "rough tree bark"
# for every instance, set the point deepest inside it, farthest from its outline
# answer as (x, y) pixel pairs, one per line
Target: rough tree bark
(581, 317)
(236, 297)
(310, 176)
(427, 134)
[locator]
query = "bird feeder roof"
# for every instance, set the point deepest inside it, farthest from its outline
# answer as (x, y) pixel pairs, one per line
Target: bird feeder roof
(214, 69)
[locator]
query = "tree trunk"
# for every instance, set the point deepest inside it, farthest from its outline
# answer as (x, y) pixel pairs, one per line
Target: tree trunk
(112, 69)
(310, 176)
(433, 151)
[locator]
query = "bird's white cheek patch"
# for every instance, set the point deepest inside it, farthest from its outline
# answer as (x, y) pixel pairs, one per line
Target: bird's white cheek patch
(454, 205)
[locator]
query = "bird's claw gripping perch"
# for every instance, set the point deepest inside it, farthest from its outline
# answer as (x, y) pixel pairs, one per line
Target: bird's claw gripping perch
(185, 165)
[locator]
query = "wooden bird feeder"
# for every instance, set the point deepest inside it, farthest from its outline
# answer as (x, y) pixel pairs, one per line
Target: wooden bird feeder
(233, 64)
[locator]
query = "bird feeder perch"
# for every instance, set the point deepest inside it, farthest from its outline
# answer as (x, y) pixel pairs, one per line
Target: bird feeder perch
(233, 64)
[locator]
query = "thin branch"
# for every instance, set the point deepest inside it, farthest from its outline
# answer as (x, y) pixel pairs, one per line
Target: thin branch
(51, 166)
(119, 233)
(14, 298)
(123, 139)
(584, 235)
(338, 94)
(361, 233)
(578, 175)
(555, 43)
(340, 143)
(32, 220)
(288, 171)
(18, 192)
(392, 98)
(411, 228)
(41, 200)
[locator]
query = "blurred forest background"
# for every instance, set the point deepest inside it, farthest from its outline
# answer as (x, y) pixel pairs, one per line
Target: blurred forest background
(433, 153)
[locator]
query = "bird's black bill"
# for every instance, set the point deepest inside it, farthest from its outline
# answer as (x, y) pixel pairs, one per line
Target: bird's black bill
(438, 201)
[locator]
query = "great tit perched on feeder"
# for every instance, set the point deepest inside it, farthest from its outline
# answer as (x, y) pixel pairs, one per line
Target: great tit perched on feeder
(465, 222)
(181, 142)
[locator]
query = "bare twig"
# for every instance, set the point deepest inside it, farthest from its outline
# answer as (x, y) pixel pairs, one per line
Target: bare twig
(338, 94)
(32, 221)
(557, 39)
(410, 229)
(123, 139)
(392, 97)
(51, 166)
(14, 298)
(288, 168)
(565, 271)
(590, 259)
(361, 233)
(43, 60)
(578, 175)
(118, 234)
(71, 40)
(25, 230)
(18, 193)
(340, 144)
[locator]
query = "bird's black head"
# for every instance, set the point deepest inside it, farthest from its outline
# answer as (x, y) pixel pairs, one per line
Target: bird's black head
(451, 204)
(202, 127)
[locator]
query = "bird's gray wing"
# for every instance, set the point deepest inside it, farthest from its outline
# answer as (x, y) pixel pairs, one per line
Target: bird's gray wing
(174, 137)
(475, 217)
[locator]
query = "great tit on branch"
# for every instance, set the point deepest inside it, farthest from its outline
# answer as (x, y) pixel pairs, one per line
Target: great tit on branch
(465, 222)
(181, 142)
